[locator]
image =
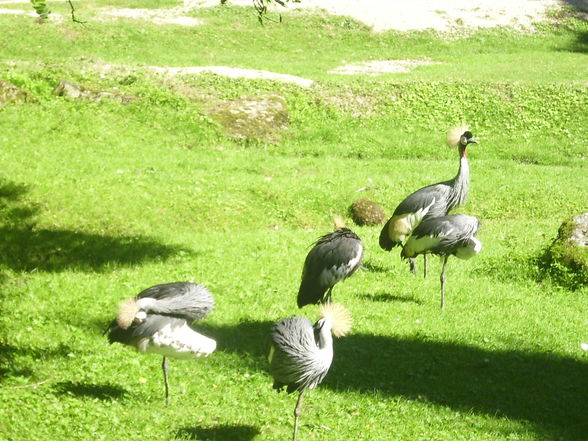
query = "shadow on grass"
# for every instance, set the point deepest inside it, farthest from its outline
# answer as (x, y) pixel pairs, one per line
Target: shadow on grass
(19, 361)
(58, 250)
(26, 248)
(248, 338)
(373, 267)
(223, 432)
(549, 391)
(387, 297)
(105, 392)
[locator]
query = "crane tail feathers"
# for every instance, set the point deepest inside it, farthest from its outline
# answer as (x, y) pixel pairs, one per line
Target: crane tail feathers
(309, 295)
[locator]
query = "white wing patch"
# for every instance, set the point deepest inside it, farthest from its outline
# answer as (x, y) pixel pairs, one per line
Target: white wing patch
(402, 225)
(178, 342)
(470, 250)
(420, 245)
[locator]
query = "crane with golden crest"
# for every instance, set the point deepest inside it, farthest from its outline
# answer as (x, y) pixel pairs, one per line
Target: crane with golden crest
(158, 321)
(300, 353)
(431, 201)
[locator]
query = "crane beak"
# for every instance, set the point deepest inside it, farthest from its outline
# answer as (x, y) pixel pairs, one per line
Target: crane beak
(472, 141)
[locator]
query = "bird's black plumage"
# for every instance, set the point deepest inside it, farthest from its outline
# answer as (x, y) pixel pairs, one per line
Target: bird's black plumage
(334, 257)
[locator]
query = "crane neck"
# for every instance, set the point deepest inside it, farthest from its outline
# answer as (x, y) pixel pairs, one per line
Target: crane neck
(324, 339)
(461, 184)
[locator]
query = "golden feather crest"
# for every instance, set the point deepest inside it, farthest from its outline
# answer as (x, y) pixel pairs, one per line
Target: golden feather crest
(339, 222)
(127, 310)
(454, 135)
(339, 315)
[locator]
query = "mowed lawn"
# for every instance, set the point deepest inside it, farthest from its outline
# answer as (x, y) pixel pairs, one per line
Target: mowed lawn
(100, 199)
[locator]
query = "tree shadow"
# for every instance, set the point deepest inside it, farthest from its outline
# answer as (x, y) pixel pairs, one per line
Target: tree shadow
(18, 361)
(26, 248)
(59, 250)
(248, 338)
(222, 432)
(547, 390)
(105, 392)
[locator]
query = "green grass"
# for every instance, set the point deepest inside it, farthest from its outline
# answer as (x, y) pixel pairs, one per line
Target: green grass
(99, 200)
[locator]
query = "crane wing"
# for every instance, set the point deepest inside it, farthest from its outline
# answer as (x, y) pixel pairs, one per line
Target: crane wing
(442, 235)
(179, 299)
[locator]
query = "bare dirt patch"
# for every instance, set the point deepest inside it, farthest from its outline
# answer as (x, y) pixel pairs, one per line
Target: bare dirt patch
(378, 67)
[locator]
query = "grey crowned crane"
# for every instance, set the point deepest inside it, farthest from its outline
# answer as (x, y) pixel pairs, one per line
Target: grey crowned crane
(444, 236)
(431, 201)
(300, 353)
(334, 257)
(158, 321)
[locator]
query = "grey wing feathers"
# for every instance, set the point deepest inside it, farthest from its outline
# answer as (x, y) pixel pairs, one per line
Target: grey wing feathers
(153, 323)
(179, 299)
(437, 193)
(143, 329)
(452, 230)
(293, 353)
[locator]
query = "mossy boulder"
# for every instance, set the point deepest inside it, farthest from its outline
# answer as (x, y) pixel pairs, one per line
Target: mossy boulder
(9, 93)
(567, 257)
(366, 212)
(261, 117)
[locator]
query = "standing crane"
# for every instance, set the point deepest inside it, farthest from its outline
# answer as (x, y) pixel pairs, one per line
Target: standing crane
(158, 321)
(431, 201)
(444, 236)
(300, 353)
(334, 257)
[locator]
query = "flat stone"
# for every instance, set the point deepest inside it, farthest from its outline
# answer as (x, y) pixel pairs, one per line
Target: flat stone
(261, 117)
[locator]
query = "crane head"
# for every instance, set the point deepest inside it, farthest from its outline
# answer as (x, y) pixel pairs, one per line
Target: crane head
(339, 317)
(127, 311)
(460, 136)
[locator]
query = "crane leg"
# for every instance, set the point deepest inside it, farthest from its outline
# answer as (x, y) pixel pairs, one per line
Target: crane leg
(412, 263)
(443, 282)
(425, 266)
(297, 410)
(165, 367)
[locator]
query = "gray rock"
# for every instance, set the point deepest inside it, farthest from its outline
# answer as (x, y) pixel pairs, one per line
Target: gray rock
(566, 259)
(69, 89)
(74, 90)
(9, 93)
(579, 231)
(261, 117)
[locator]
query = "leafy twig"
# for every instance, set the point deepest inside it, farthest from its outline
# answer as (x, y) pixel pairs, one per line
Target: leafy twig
(73, 13)
(35, 385)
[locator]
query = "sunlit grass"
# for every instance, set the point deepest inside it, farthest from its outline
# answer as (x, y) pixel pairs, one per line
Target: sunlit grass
(99, 200)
